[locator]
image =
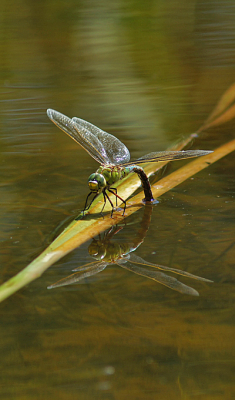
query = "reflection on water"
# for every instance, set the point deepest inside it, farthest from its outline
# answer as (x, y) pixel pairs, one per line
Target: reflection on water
(108, 252)
(146, 72)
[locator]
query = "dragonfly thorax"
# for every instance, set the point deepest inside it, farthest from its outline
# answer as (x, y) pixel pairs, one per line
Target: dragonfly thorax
(106, 176)
(96, 182)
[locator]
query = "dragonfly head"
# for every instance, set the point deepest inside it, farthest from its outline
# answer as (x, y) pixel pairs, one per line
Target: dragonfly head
(97, 250)
(96, 182)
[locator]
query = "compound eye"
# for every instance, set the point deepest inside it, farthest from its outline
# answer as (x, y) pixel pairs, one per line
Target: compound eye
(94, 186)
(96, 182)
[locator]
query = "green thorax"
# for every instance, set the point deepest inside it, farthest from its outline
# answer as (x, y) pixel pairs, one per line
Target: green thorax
(106, 176)
(112, 174)
(108, 252)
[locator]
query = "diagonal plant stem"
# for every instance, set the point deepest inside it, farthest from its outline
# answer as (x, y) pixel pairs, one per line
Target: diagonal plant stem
(81, 230)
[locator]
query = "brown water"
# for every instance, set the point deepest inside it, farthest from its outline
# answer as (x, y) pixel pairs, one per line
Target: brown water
(148, 72)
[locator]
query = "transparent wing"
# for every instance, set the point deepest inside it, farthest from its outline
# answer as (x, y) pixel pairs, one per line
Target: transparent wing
(168, 156)
(116, 151)
(162, 278)
(138, 260)
(83, 137)
(103, 147)
(77, 276)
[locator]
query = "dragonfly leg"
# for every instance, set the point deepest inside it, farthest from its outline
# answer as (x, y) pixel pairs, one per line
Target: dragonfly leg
(115, 190)
(107, 197)
(104, 194)
(88, 206)
(111, 190)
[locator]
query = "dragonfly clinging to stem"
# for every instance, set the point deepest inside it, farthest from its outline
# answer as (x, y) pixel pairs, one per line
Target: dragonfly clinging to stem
(113, 157)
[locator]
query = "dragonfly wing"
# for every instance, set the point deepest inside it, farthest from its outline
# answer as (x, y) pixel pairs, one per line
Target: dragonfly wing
(83, 136)
(168, 156)
(162, 278)
(116, 151)
(76, 277)
(138, 260)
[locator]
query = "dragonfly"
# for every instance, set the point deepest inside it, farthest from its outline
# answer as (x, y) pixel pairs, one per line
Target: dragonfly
(113, 157)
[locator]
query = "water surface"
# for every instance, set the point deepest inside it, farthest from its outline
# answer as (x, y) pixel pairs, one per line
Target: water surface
(149, 73)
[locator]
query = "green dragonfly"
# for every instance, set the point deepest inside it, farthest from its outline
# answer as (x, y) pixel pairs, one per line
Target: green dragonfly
(113, 157)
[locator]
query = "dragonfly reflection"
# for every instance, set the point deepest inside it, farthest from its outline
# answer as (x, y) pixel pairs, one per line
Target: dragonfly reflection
(107, 252)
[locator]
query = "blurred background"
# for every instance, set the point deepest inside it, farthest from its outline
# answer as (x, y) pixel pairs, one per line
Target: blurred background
(149, 73)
